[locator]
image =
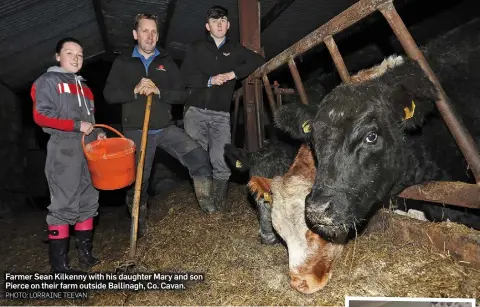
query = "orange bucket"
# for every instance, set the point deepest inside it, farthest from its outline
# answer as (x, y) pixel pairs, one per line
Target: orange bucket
(111, 162)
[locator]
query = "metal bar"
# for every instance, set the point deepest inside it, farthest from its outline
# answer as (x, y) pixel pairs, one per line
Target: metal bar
(274, 12)
(298, 81)
(238, 92)
(249, 19)
(165, 26)
(276, 91)
(250, 111)
(337, 59)
(278, 96)
(268, 90)
(259, 108)
(97, 8)
(284, 91)
(445, 192)
(464, 140)
(235, 115)
(350, 16)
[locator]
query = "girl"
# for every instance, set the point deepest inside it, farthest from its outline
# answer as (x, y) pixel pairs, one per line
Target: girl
(63, 107)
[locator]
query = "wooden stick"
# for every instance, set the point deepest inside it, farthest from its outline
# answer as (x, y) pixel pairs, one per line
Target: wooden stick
(138, 180)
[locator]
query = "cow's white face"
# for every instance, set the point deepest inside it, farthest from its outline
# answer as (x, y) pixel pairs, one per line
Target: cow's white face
(310, 257)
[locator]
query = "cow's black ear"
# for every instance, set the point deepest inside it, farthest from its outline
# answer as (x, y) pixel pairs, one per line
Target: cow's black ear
(413, 99)
(296, 120)
(236, 158)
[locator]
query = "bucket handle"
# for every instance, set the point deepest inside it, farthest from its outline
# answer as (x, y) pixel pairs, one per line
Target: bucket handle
(101, 126)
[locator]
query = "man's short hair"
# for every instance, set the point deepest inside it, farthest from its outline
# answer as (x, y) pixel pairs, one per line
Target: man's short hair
(216, 12)
(145, 16)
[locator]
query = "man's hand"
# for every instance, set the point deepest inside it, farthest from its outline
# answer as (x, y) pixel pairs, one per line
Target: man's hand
(150, 90)
(230, 75)
(86, 128)
(101, 136)
(218, 79)
(222, 78)
(146, 87)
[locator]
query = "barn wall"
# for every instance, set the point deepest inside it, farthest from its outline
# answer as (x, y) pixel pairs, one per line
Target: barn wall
(12, 153)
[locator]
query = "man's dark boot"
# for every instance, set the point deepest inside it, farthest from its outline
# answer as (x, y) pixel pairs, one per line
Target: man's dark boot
(84, 242)
(203, 191)
(142, 212)
(59, 243)
(220, 188)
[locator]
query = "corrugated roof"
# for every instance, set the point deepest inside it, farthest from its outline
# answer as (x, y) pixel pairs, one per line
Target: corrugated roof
(120, 15)
(29, 29)
(301, 18)
(188, 23)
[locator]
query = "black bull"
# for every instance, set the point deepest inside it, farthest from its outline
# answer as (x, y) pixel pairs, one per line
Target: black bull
(374, 138)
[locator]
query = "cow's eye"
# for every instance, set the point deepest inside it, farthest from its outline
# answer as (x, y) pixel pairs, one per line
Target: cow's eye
(371, 138)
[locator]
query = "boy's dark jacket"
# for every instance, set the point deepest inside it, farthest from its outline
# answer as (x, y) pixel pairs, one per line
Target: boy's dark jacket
(205, 60)
(126, 73)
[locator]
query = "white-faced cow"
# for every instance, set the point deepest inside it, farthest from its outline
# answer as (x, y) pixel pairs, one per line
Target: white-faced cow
(377, 136)
(310, 257)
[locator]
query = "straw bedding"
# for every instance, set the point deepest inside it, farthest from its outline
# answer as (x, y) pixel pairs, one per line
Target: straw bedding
(240, 271)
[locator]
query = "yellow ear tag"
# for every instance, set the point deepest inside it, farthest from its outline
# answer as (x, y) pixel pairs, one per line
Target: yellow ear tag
(267, 197)
(238, 164)
(409, 111)
(306, 127)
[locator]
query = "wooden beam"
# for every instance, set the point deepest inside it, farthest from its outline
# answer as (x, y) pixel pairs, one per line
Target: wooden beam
(274, 12)
(166, 24)
(97, 7)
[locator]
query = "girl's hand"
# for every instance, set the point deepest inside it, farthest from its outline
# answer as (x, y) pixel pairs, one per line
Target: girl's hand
(101, 136)
(86, 128)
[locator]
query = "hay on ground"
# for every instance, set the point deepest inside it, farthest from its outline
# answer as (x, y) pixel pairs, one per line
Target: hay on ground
(240, 271)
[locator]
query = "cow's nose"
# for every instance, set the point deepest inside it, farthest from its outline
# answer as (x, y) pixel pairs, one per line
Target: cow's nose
(318, 205)
(306, 283)
(325, 207)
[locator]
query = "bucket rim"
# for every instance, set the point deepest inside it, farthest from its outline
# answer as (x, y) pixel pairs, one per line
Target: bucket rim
(92, 156)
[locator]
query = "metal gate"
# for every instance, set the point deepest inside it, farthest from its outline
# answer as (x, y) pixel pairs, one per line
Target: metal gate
(452, 193)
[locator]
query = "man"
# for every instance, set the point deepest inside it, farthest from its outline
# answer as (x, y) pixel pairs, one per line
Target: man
(135, 75)
(210, 70)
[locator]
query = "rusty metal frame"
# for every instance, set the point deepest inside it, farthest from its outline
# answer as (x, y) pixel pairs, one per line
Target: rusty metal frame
(337, 58)
(298, 81)
(463, 138)
(277, 91)
(249, 19)
(350, 16)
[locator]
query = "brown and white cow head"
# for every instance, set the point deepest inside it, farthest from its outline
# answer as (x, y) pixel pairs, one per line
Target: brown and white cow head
(310, 257)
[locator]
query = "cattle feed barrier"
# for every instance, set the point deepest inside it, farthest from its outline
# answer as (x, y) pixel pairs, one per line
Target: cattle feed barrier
(453, 193)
